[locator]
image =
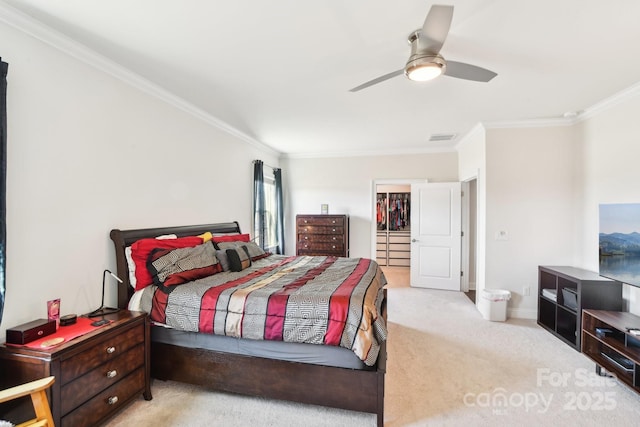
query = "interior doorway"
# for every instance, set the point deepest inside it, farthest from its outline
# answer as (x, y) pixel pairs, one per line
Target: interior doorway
(393, 225)
(469, 227)
(469, 238)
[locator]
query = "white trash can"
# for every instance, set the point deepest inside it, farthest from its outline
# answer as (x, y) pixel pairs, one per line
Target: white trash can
(493, 304)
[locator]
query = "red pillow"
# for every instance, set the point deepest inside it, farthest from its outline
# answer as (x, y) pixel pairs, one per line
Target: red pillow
(232, 238)
(141, 249)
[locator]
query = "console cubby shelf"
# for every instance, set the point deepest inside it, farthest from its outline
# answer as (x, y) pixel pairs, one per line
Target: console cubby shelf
(615, 350)
(563, 318)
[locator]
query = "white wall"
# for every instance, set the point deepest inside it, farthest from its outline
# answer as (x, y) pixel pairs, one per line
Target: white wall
(609, 174)
(87, 153)
(346, 185)
(530, 195)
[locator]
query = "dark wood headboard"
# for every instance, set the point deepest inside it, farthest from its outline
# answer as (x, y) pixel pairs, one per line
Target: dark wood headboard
(123, 238)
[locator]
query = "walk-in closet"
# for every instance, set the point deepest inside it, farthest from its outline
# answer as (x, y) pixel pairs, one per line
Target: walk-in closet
(393, 219)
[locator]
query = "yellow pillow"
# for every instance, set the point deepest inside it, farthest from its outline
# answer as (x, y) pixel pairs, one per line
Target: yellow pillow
(206, 236)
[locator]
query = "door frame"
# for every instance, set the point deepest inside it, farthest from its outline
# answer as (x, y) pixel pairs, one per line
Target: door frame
(465, 249)
(466, 221)
(372, 210)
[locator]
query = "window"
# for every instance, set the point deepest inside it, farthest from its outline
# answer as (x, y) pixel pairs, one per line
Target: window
(270, 213)
(267, 221)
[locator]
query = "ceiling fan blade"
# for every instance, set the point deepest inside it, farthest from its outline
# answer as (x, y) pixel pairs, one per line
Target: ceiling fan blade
(436, 28)
(377, 80)
(464, 71)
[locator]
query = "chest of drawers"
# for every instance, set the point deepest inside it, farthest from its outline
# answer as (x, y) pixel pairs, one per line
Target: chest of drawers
(96, 374)
(322, 235)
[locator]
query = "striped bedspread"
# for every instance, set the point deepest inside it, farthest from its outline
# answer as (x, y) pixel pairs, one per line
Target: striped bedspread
(316, 300)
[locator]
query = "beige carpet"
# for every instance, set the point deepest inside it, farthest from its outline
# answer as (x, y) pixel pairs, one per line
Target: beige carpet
(446, 367)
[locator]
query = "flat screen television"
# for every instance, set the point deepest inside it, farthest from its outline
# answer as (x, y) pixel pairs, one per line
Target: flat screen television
(619, 242)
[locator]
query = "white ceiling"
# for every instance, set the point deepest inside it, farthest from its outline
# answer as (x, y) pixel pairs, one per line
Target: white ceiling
(280, 71)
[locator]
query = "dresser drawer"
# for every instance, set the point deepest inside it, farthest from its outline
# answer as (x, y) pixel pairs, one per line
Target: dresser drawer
(320, 220)
(76, 392)
(325, 238)
(319, 229)
(321, 248)
(110, 400)
(107, 349)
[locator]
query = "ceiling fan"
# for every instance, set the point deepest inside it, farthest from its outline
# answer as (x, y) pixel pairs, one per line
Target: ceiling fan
(425, 62)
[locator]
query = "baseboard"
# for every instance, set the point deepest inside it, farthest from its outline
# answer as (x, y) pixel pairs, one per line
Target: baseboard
(522, 313)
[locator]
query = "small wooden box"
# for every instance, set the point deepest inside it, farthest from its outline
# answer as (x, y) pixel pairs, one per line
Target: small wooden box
(23, 334)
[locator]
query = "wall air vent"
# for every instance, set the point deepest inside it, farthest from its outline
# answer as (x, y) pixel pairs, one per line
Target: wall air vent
(442, 137)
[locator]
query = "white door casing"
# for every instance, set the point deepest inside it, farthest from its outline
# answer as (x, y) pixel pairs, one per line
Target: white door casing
(436, 235)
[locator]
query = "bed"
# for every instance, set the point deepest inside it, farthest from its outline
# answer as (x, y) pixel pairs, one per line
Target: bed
(348, 377)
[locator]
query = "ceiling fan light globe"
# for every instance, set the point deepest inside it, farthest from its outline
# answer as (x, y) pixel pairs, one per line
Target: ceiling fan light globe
(424, 72)
(424, 68)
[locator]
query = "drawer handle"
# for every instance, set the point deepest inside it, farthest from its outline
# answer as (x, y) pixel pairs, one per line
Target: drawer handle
(333, 247)
(334, 238)
(306, 237)
(334, 221)
(305, 221)
(112, 373)
(334, 229)
(112, 400)
(111, 350)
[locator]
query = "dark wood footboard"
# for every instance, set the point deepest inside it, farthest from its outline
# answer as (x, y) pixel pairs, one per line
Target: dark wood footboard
(357, 390)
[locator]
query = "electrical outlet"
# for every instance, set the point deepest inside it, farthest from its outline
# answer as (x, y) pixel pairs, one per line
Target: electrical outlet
(526, 291)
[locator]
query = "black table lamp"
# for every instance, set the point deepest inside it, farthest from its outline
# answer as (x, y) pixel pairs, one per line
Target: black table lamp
(105, 310)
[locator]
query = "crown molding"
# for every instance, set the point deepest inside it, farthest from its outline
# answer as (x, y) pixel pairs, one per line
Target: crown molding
(369, 153)
(530, 123)
(28, 25)
(610, 102)
(589, 112)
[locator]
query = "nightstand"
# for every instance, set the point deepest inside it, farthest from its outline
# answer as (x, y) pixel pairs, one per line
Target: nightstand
(96, 373)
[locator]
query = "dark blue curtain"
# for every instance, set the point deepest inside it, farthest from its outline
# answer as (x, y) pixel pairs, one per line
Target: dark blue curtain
(258, 204)
(277, 175)
(3, 180)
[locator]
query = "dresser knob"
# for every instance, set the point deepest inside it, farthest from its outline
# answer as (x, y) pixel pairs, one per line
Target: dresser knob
(306, 237)
(333, 247)
(112, 373)
(334, 238)
(305, 221)
(111, 350)
(334, 221)
(112, 400)
(334, 229)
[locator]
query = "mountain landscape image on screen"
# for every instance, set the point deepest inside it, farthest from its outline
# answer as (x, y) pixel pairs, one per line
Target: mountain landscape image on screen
(620, 257)
(620, 244)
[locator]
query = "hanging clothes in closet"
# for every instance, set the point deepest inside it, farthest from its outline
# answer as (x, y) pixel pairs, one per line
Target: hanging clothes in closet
(399, 211)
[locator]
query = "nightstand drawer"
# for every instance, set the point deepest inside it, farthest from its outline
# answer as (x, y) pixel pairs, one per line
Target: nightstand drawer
(106, 402)
(82, 389)
(105, 350)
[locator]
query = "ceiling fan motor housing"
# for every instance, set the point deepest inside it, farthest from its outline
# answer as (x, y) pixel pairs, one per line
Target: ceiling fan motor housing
(421, 60)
